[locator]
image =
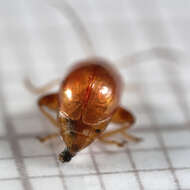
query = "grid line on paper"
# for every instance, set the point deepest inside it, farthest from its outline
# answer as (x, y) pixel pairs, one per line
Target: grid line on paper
(176, 91)
(116, 151)
(159, 137)
(57, 164)
(101, 173)
(17, 156)
(148, 110)
(97, 170)
(134, 169)
(144, 128)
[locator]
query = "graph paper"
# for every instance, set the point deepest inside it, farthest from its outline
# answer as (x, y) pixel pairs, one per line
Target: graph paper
(40, 42)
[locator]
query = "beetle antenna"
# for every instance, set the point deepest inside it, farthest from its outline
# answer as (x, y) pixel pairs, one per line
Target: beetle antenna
(169, 54)
(64, 8)
(40, 90)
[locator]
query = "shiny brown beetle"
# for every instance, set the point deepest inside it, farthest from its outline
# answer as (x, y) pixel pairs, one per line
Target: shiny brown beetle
(89, 97)
(87, 101)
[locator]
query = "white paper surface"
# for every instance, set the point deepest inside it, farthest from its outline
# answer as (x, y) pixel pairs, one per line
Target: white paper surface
(38, 41)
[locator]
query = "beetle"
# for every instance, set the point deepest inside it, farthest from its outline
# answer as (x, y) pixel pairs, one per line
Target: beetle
(87, 101)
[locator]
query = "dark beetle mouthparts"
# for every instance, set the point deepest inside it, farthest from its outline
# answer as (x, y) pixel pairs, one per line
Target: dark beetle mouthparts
(65, 156)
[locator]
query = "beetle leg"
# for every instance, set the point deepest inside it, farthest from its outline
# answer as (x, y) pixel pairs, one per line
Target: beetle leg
(51, 102)
(42, 89)
(48, 137)
(120, 144)
(116, 131)
(130, 137)
(123, 117)
(103, 137)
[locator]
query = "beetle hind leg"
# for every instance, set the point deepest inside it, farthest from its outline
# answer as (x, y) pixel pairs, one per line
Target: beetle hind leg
(130, 137)
(125, 118)
(113, 142)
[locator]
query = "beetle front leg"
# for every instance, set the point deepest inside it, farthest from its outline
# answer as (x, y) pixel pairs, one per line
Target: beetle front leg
(48, 137)
(51, 102)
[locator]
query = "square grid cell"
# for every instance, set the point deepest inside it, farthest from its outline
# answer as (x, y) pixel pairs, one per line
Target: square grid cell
(121, 181)
(87, 182)
(32, 147)
(183, 176)
(157, 180)
(41, 166)
(47, 183)
(5, 149)
(149, 160)
(176, 138)
(10, 184)
(115, 162)
(8, 169)
(29, 124)
(81, 164)
(179, 158)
